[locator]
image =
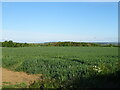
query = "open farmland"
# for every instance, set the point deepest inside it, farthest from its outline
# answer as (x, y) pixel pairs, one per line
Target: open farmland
(66, 66)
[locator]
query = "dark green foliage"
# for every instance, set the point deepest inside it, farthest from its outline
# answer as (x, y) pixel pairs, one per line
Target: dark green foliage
(70, 44)
(14, 44)
(77, 44)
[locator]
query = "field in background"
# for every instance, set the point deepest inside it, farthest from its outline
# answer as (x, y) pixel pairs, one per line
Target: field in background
(65, 66)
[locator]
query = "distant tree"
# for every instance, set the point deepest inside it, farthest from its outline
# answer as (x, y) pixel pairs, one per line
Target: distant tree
(10, 43)
(13, 44)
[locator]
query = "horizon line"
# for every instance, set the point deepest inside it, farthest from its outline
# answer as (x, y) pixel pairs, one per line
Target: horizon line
(60, 41)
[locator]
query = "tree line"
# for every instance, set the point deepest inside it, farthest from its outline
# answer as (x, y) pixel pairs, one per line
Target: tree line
(71, 44)
(83, 44)
(13, 44)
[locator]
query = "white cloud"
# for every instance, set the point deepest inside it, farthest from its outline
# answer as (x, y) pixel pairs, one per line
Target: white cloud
(22, 36)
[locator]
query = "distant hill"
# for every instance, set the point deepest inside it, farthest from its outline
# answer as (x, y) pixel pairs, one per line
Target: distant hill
(114, 43)
(79, 44)
(70, 44)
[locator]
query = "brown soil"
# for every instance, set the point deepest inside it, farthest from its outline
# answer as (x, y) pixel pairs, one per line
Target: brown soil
(18, 77)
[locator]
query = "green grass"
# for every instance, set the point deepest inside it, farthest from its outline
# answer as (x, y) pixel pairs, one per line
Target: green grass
(20, 85)
(62, 64)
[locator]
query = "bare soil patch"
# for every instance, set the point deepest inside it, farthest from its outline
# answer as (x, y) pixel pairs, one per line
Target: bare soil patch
(19, 77)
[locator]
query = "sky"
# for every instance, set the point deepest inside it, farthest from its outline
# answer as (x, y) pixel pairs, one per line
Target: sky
(60, 0)
(60, 21)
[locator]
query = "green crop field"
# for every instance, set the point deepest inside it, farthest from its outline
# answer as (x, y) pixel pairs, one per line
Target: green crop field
(66, 66)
